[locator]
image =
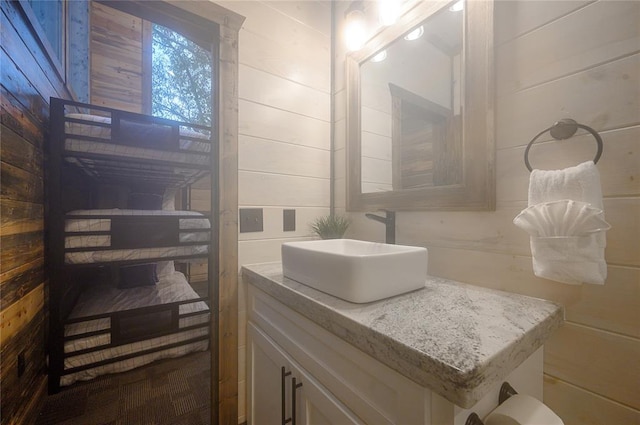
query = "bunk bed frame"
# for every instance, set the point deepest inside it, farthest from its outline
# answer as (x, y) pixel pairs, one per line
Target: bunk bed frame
(124, 152)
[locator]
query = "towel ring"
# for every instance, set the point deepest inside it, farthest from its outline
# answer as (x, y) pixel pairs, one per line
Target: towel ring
(561, 130)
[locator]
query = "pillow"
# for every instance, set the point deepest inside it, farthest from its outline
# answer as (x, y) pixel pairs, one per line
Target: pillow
(165, 268)
(138, 275)
(144, 201)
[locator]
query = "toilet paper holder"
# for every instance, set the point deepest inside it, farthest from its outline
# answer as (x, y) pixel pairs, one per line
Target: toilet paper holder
(506, 391)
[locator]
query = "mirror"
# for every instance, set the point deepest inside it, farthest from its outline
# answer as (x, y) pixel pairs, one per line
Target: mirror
(420, 112)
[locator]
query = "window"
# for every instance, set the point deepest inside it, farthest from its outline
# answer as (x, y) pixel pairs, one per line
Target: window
(49, 15)
(62, 27)
(180, 78)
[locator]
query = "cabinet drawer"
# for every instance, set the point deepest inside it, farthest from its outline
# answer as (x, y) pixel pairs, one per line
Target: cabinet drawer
(373, 391)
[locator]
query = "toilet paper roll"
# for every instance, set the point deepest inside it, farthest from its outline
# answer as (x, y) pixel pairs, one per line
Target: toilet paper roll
(521, 409)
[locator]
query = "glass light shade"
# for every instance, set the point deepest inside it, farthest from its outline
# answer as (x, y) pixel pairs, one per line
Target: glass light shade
(457, 6)
(355, 31)
(415, 34)
(379, 57)
(388, 11)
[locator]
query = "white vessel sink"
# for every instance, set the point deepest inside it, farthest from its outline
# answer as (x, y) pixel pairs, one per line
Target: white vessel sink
(356, 271)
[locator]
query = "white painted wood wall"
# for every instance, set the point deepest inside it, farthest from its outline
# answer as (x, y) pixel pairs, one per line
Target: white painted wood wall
(554, 59)
(284, 127)
(578, 59)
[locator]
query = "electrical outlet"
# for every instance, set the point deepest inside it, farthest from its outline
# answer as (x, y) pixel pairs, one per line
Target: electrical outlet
(22, 365)
(288, 220)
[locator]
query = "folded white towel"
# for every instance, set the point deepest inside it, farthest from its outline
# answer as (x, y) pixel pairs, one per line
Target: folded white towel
(561, 218)
(566, 223)
(579, 183)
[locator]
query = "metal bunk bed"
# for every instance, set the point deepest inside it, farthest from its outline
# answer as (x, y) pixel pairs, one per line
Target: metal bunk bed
(116, 300)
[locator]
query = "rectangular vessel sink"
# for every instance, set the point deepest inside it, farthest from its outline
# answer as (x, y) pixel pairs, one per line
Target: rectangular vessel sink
(356, 271)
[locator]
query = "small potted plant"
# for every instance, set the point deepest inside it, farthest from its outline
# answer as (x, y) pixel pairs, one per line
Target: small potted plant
(332, 226)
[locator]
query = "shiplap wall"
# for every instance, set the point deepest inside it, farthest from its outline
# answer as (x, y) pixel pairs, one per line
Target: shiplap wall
(116, 59)
(284, 127)
(575, 59)
(28, 80)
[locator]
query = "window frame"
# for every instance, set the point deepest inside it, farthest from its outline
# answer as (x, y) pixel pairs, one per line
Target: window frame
(197, 29)
(60, 64)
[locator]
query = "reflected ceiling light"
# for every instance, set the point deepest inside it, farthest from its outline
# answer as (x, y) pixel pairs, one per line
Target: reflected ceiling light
(355, 30)
(415, 34)
(457, 6)
(388, 11)
(380, 56)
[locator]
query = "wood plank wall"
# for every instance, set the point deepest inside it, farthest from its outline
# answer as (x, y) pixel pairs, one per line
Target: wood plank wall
(575, 59)
(116, 59)
(28, 80)
(284, 128)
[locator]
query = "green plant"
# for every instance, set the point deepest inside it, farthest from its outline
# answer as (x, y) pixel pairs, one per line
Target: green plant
(330, 227)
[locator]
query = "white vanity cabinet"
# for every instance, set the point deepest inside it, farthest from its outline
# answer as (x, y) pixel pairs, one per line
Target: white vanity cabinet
(306, 333)
(340, 384)
(283, 392)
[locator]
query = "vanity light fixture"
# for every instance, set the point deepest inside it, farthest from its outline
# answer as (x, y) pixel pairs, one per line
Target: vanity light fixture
(457, 6)
(388, 11)
(415, 34)
(355, 30)
(380, 56)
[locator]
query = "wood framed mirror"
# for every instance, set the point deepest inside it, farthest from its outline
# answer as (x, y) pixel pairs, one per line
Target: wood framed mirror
(420, 122)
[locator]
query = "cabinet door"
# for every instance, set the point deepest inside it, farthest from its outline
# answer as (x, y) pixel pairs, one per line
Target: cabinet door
(265, 377)
(315, 405)
(272, 376)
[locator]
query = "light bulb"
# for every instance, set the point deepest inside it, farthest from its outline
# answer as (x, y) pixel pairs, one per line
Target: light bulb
(355, 32)
(388, 11)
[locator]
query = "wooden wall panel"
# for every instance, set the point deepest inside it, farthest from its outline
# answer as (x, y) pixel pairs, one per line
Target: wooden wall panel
(284, 124)
(274, 39)
(573, 59)
(518, 18)
(598, 361)
(603, 97)
(268, 89)
(614, 307)
(258, 188)
(603, 30)
(116, 59)
(618, 168)
(22, 395)
(28, 80)
(579, 407)
(257, 154)
(264, 121)
(273, 224)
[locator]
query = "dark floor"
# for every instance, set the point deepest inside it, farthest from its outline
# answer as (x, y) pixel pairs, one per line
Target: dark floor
(167, 392)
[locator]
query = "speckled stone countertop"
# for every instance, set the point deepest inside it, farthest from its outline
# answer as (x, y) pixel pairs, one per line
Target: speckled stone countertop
(456, 339)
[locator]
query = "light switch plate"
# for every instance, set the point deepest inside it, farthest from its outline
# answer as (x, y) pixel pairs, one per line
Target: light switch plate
(251, 220)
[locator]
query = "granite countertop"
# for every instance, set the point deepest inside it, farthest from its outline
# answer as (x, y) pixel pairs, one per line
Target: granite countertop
(456, 339)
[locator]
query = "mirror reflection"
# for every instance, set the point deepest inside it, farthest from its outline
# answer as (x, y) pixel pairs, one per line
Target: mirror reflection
(411, 114)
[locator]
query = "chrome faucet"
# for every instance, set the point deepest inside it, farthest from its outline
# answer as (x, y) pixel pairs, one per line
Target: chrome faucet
(389, 221)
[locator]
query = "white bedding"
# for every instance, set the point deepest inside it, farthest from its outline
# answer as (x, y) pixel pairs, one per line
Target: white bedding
(106, 299)
(198, 221)
(192, 151)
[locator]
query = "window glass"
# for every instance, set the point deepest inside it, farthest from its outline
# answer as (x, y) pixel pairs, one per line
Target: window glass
(181, 78)
(49, 16)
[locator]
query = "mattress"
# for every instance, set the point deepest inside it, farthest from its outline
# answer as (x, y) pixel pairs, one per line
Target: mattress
(94, 135)
(107, 299)
(110, 235)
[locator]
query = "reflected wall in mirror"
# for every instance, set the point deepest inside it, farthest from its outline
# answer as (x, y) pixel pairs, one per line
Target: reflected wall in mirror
(420, 112)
